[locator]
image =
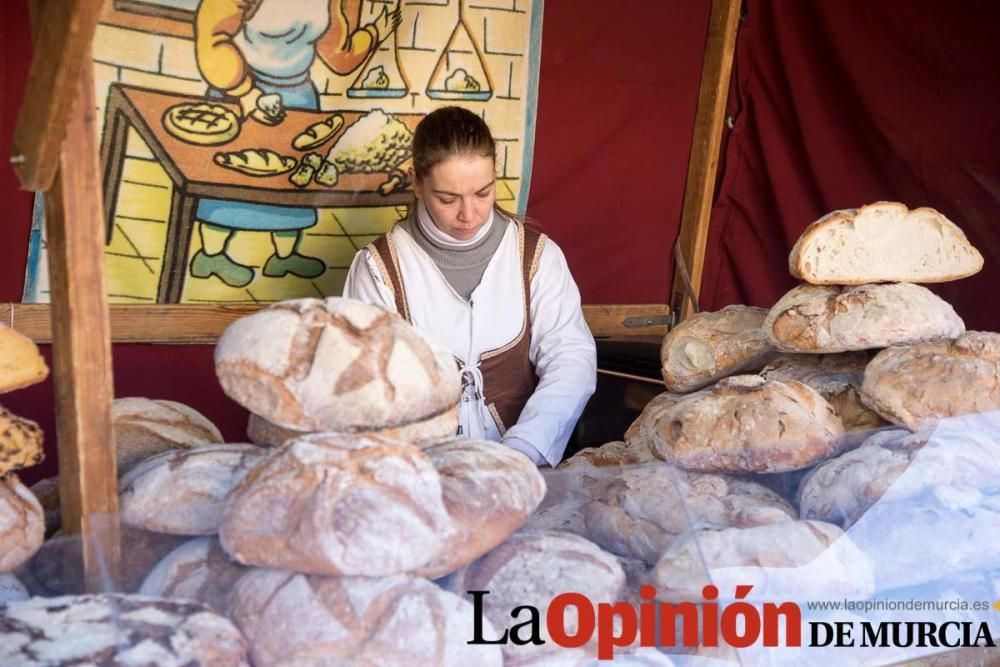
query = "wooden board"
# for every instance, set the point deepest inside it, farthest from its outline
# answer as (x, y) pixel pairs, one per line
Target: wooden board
(183, 324)
(81, 351)
(703, 163)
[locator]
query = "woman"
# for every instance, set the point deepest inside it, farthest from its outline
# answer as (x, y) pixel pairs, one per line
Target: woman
(499, 296)
(250, 48)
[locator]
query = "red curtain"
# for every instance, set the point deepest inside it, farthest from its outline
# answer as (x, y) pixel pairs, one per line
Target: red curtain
(839, 104)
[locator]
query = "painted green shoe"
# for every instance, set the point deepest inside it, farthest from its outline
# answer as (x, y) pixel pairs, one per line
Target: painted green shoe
(233, 274)
(296, 264)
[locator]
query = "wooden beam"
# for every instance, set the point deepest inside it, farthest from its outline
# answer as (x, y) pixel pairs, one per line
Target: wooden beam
(186, 323)
(62, 41)
(81, 350)
(703, 163)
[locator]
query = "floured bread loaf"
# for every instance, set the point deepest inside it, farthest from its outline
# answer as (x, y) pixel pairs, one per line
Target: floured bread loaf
(145, 427)
(787, 560)
(838, 379)
(339, 505)
(184, 492)
(489, 491)
(615, 453)
(813, 318)
(197, 570)
(335, 365)
(117, 630)
(22, 523)
(655, 407)
(295, 619)
(11, 589)
(531, 568)
(883, 242)
(21, 364)
(565, 516)
(917, 383)
(709, 346)
(647, 508)
(437, 429)
(20, 442)
(747, 424)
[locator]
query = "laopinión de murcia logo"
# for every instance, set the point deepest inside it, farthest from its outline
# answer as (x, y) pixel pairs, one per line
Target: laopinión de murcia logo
(739, 624)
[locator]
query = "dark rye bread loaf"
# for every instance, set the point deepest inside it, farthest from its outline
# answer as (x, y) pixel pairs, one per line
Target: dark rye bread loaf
(825, 319)
(339, 505)
(297, 619)
(117, 630)
(710, 346)
(747, 424)
(335, 365)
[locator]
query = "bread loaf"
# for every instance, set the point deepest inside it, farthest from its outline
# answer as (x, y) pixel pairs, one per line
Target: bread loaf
(813, 318)
(20, 442)
(918, 383)
(335, 365)
(883, 242)
(145, 427)
(439, 428)
(398, 621)
(339, 505)
(530, 569)
(184, 492)
(709, 346)
(656, 406)
(647, 508)
(21, 365)
(616, 453)
(197, 570)
(788, 560)
(489, 490)
(22, 524)
(747, 424)
(117, 630)
(47, 492)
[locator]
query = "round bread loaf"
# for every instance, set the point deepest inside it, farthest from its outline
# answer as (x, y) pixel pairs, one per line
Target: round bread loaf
(22, 523)
(812, 318)
(918, 383)
(117, 630)
(710, 346)
(489, 491)
(747, 424)
(335, 365)
(647, 508)
(21, 364)
(339, 505)
(145, 427)
(435, 430)
(197, 570)
(787, 560)
(184, 492)
(295, 619)
(649, 413)
(616, 453)
(531, 568)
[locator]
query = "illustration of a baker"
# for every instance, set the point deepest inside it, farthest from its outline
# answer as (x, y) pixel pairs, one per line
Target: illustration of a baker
(260, 52)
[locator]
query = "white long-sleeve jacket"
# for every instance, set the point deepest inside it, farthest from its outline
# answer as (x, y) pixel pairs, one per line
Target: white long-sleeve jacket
(561, 347)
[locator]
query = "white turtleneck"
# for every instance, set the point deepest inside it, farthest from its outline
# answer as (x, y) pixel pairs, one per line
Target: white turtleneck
(434, 233)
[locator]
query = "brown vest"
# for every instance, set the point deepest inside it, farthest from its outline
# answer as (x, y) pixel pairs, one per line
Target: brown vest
(509, 377)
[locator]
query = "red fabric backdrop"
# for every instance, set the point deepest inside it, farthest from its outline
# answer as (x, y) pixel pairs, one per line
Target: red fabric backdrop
(838, 104)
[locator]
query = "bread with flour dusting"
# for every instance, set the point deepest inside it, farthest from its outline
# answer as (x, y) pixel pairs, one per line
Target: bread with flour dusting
(489, 491)
(824, 319)
(184, 492)
(915, 384)
(197, 570)
(710, 346)
(296, 619)
(339, 505)
(22, 523)
(117, 630)
(747, 424)
(335, 364)
(435, 430)
(145, 427)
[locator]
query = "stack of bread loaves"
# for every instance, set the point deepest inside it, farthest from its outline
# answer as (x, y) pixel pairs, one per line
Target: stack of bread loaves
(322, 548)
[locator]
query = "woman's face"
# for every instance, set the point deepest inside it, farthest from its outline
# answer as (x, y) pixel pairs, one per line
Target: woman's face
(459, 193)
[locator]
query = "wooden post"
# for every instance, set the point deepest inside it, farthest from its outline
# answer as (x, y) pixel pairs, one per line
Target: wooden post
(703, 163)
(81, 349)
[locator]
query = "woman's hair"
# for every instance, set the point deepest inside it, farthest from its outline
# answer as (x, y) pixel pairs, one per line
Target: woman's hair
(450, 131)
